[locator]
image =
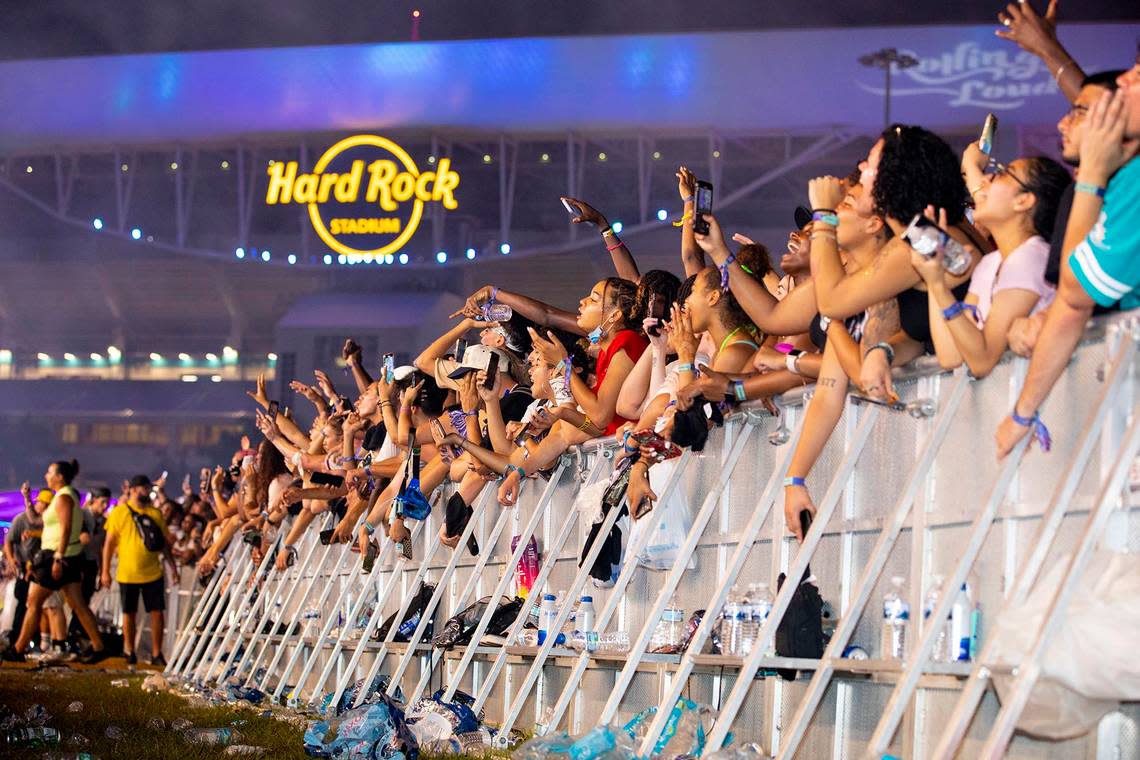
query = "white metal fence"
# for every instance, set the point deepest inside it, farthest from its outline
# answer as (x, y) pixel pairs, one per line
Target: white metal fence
(913, 494)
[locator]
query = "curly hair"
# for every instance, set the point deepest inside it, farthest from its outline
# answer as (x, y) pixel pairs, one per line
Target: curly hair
(917, 169)
(655, 284)
(1048, 181)
(755, 259)
(730, 310)
(622, 295)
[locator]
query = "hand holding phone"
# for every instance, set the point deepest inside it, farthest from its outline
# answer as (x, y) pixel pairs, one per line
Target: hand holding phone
(389, 368)
(989, 128)
(702, 207)
(492, 371)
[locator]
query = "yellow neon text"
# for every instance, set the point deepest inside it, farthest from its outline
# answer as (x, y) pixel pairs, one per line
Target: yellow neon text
(363, 226)
(386, 185)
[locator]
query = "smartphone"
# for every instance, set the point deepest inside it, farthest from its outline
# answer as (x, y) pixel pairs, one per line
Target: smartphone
(492, 370)
(461, 348)
(657, 312)
(989, 127)
(162, 477)
(703, 207)
(389, 368)
(570, 209)
(405, 547)
(274, 409)
(326, 536)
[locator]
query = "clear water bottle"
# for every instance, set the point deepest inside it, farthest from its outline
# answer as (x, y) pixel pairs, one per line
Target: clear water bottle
(547, 614)
(311, 624)
(896, 617)
(33, 737)
(670, 629)
(586, 624)
(211, 736)
(614, 642)
(497, 312)
(730, 623)
(940, 652)
(963, 626)
(758, 606)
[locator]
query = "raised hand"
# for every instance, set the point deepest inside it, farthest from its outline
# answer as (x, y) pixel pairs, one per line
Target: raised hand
(1102, 147)
(825, 192)
(258, 394)
(686, 183)
(586, 213)
(410, 393)
(796, 500)
(713, 243)
(549, 348)
(1033, 33)
(685, 341)
(469, 391)
(639, 495)
(325, 384)
(488, 394)
(473, 307)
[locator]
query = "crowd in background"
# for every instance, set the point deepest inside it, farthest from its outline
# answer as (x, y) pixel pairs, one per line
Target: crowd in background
(917, 251)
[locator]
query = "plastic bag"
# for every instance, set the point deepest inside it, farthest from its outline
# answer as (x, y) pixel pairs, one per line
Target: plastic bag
(377, 731)
(459, 628)
(684, 732)
(602, 743)
(348, 696)
(1091, 664)
(662, 549)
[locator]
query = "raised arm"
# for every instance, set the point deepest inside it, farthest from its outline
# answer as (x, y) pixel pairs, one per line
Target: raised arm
(623, 260)
(1037, 34)
(536, 311)
(692, 257)
(425, 362)
(599, 408)
(352, 353)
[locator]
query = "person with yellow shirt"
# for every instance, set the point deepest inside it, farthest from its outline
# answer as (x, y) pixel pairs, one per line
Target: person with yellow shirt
(137, 531)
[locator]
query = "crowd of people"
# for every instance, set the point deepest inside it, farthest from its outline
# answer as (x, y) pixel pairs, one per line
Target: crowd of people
(916, 251)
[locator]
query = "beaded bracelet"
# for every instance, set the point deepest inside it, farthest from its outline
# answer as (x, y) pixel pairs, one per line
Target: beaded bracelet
(886, 348)
(957, 308)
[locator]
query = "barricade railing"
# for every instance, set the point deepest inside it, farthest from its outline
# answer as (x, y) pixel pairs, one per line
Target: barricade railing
(911, 490)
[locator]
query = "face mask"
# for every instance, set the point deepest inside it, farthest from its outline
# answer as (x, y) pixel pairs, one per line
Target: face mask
(595, 335)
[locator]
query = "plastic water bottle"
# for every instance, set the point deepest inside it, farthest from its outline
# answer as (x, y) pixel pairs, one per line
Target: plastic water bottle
(546, 617)
(758, 605)
(963, 626)
(896, 617)
(33, 737)
(940, 653)
(670, 628)
(729, 623)
(497, 312)
(586, 624)
(211, 736)
(614, 642)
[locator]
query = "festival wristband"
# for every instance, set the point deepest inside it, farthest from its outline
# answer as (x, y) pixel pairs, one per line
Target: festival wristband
(515, 468)
(790, 361)
(738, 390)
(684, 218)
(369, 528)
(615, 246)
(685, 367)
(957, 308)
(688, 199)
(825, 215)
(1090, 188)
(724, 271)
(794, 481)
(1040, 432)
(607, 231)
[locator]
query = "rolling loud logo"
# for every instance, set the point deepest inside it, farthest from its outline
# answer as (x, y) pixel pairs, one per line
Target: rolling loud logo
(382, 184)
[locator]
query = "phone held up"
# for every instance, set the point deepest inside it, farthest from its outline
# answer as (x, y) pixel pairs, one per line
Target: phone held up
(492, 370)
(389, 368)
(573, 212)
(989, 128)
(703, 207)
(656, 313)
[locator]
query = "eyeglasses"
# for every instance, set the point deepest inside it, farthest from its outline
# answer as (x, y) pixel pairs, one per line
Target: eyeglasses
(997, 169)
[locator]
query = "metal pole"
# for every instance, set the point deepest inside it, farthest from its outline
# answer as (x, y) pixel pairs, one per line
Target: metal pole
(181, 647)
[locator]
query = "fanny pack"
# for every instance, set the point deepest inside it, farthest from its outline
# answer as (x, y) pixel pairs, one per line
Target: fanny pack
(152, 536)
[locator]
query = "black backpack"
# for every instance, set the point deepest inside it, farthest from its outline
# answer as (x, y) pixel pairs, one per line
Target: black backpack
(152, 536)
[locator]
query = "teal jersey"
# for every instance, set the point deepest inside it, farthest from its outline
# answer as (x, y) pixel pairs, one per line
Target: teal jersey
(1107, 261)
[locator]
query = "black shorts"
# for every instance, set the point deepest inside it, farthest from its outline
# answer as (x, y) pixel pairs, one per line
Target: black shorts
(153, 596)
(42, 566)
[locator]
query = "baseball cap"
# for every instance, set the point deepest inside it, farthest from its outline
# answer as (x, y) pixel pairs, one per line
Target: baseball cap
(141, 480)
(478, 357)
(44, 496)
(101, 493)
(802, 216)
(399, 373)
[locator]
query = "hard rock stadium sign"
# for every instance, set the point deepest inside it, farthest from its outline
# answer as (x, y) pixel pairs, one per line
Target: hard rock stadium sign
(365, 194)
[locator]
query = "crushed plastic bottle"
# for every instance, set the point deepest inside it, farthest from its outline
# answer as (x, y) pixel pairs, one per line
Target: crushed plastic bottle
(155, 682)
(120, 683)
(244, 750)
(218, 737)
(75, 707)
(113, 732)
(32, 737)
(156, 724)
(614, 642)
(180, 724)
(78, 740)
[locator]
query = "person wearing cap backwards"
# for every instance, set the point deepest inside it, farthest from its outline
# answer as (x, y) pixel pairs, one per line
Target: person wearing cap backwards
(140, 569)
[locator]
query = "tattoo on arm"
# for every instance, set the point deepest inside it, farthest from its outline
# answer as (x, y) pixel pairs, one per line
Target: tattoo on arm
(828, 382)
(882, 322)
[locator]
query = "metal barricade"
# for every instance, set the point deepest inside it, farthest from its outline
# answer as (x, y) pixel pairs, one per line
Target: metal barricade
(913, 491)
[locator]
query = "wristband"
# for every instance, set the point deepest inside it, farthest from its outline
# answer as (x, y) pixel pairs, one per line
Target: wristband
(585, 423)
(494, 294)
(625, 443)
(957, 308)
(1090, 188)
(265, 514)
(724, 271)
(688, 199)
(1040, 432)
(790, 362)
(607, 231)
(369, 528)
(886, 347)
(515, 468)
(685, 367)
(615, 246)
(738, 390)
(684, 218)
(472, 413)
(825, 215)
(792, 480)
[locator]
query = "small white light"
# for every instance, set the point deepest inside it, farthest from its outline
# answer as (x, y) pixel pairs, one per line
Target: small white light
(225, 164)
(216, 379)
(505, 248)
(211, 357)
(271, 357)
(5, 356)
(403, 258)
(441, 257)
(124, 167)
(389, 258)
(272, 162)
(656, 155)
(189, 378)
(544, 158)
(97, 223)
(470, 254)
(43, 357)
(341, 259)
(136, 233)
(183, 357)
(265, 256)
(173, 166)
(602, 156)
(328, 258)
(239, 252)
(662, 214)
(70, 357)
(431, 159)
(228, 351)
(155, 357)
(114, 353)
(29, 169)
(617, 227)
(96, 357)
(716, 154)
(486, 158)
(292, 259)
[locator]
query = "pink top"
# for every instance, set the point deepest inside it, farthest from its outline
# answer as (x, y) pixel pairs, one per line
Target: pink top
(1023, 269)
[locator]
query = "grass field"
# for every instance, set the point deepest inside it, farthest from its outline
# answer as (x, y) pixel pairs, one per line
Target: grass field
(130, 709)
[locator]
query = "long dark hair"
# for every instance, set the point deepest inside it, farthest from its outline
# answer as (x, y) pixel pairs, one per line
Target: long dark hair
(270, 464)
(67, 470)
(1047, 180)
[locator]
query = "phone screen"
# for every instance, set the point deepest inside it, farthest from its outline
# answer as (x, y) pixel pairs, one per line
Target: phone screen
(986, 141)
(461, 348)
(492, 370)
(704, 200)
(389, 368)
(656, 311)
(570, 209)
(274, 408)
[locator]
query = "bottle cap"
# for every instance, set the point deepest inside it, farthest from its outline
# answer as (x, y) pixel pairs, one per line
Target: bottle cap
(589, 599)
(548, 597)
